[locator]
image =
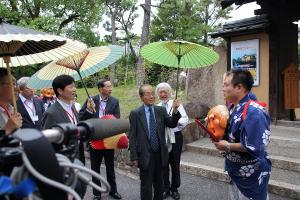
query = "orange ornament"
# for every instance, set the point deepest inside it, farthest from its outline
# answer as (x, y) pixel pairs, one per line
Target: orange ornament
(47, 92)
(217, 119)
(119, 141)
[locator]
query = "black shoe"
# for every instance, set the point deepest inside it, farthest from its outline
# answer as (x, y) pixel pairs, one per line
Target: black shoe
(115, 195)
(175, 195)
(97, 197)
(166, 194)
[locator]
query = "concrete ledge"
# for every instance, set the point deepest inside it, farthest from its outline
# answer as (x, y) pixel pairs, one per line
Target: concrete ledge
(288, 123)
(275, 187)
(203, 150)
(286, 142)
(292, 164)
(284, 189)
(204, 171)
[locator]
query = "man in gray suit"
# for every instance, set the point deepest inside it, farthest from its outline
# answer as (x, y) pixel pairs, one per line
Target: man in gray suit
(148, 149)
(63, 111)
(104, 104)
(29, 106)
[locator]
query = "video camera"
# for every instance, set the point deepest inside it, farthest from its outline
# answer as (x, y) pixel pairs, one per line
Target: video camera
(55, 173)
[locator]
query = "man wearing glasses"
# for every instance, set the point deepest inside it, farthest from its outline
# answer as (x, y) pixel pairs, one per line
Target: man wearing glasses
(104, 104)
(9, 121)
(147, 143)
(29, 106)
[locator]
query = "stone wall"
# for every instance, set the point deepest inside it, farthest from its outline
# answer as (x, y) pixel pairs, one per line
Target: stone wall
(204, 90)
(204, 85)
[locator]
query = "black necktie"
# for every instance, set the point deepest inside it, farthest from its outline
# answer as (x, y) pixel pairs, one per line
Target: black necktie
(153, 132)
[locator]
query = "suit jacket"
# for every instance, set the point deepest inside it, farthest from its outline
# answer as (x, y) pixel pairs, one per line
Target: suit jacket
(112, 108)
(139, 143)
(56, 114)
(27, 121)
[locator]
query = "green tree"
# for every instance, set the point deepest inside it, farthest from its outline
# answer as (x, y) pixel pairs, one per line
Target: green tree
(122, 14)
(125, 17)
(177, 20)
(75, 18)
(211, 15)
(189, 20)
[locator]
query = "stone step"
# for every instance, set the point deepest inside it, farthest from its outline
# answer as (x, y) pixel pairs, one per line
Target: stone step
(283, 182)
(288, 123)
(287, 132)
(285, 142)
(282, 157)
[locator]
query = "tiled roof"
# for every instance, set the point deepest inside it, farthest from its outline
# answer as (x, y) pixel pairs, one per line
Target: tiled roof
(240, 27)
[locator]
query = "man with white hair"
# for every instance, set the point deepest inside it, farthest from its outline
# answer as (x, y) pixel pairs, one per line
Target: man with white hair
(174, 139)
(29, 106)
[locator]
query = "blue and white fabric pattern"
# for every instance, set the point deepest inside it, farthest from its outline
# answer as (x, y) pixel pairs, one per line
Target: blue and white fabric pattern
(249, 170)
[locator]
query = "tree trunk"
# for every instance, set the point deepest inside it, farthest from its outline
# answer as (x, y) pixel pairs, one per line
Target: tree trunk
(128, 40)
(113, 41)
(140, 71)
(205, 40)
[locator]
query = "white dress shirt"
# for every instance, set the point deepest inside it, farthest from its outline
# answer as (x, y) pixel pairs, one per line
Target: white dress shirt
(3, 116)
(102, 106)
(183, 121)
(30, 108)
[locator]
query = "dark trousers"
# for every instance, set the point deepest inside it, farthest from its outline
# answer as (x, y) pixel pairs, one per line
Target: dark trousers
(174, 162)
(152, 176)
(96, 157)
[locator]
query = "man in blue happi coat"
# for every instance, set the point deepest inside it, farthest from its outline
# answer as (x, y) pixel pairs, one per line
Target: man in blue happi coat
(246, 138)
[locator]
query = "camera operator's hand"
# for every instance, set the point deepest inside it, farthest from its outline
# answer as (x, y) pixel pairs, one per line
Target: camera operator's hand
(90, 106)
(15, 121)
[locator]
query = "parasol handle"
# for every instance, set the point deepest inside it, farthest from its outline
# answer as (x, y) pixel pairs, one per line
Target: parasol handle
(177, 81)
(93, 105)
(178, 59)
(7, 61)
(177, 84)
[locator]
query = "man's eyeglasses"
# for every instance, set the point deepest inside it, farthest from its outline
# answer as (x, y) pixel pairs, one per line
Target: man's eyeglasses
(149, 94)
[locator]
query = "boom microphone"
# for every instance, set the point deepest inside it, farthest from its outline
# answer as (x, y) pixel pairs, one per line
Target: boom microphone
(104, 128)
(92, 129)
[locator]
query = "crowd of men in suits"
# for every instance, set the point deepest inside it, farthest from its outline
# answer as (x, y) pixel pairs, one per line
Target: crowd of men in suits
(150, 146)
(155, 138)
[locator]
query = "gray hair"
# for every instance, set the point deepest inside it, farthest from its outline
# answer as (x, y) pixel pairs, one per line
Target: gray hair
(166, 86)
(22, 82)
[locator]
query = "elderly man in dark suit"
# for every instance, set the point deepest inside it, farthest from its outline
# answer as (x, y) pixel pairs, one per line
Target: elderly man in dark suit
(104, 104)
(29, 106)
(148, 149)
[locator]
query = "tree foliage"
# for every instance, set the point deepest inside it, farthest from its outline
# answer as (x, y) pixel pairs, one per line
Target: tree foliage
(76, 18)
(176, 20)
(189, 20)
(212, 16)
